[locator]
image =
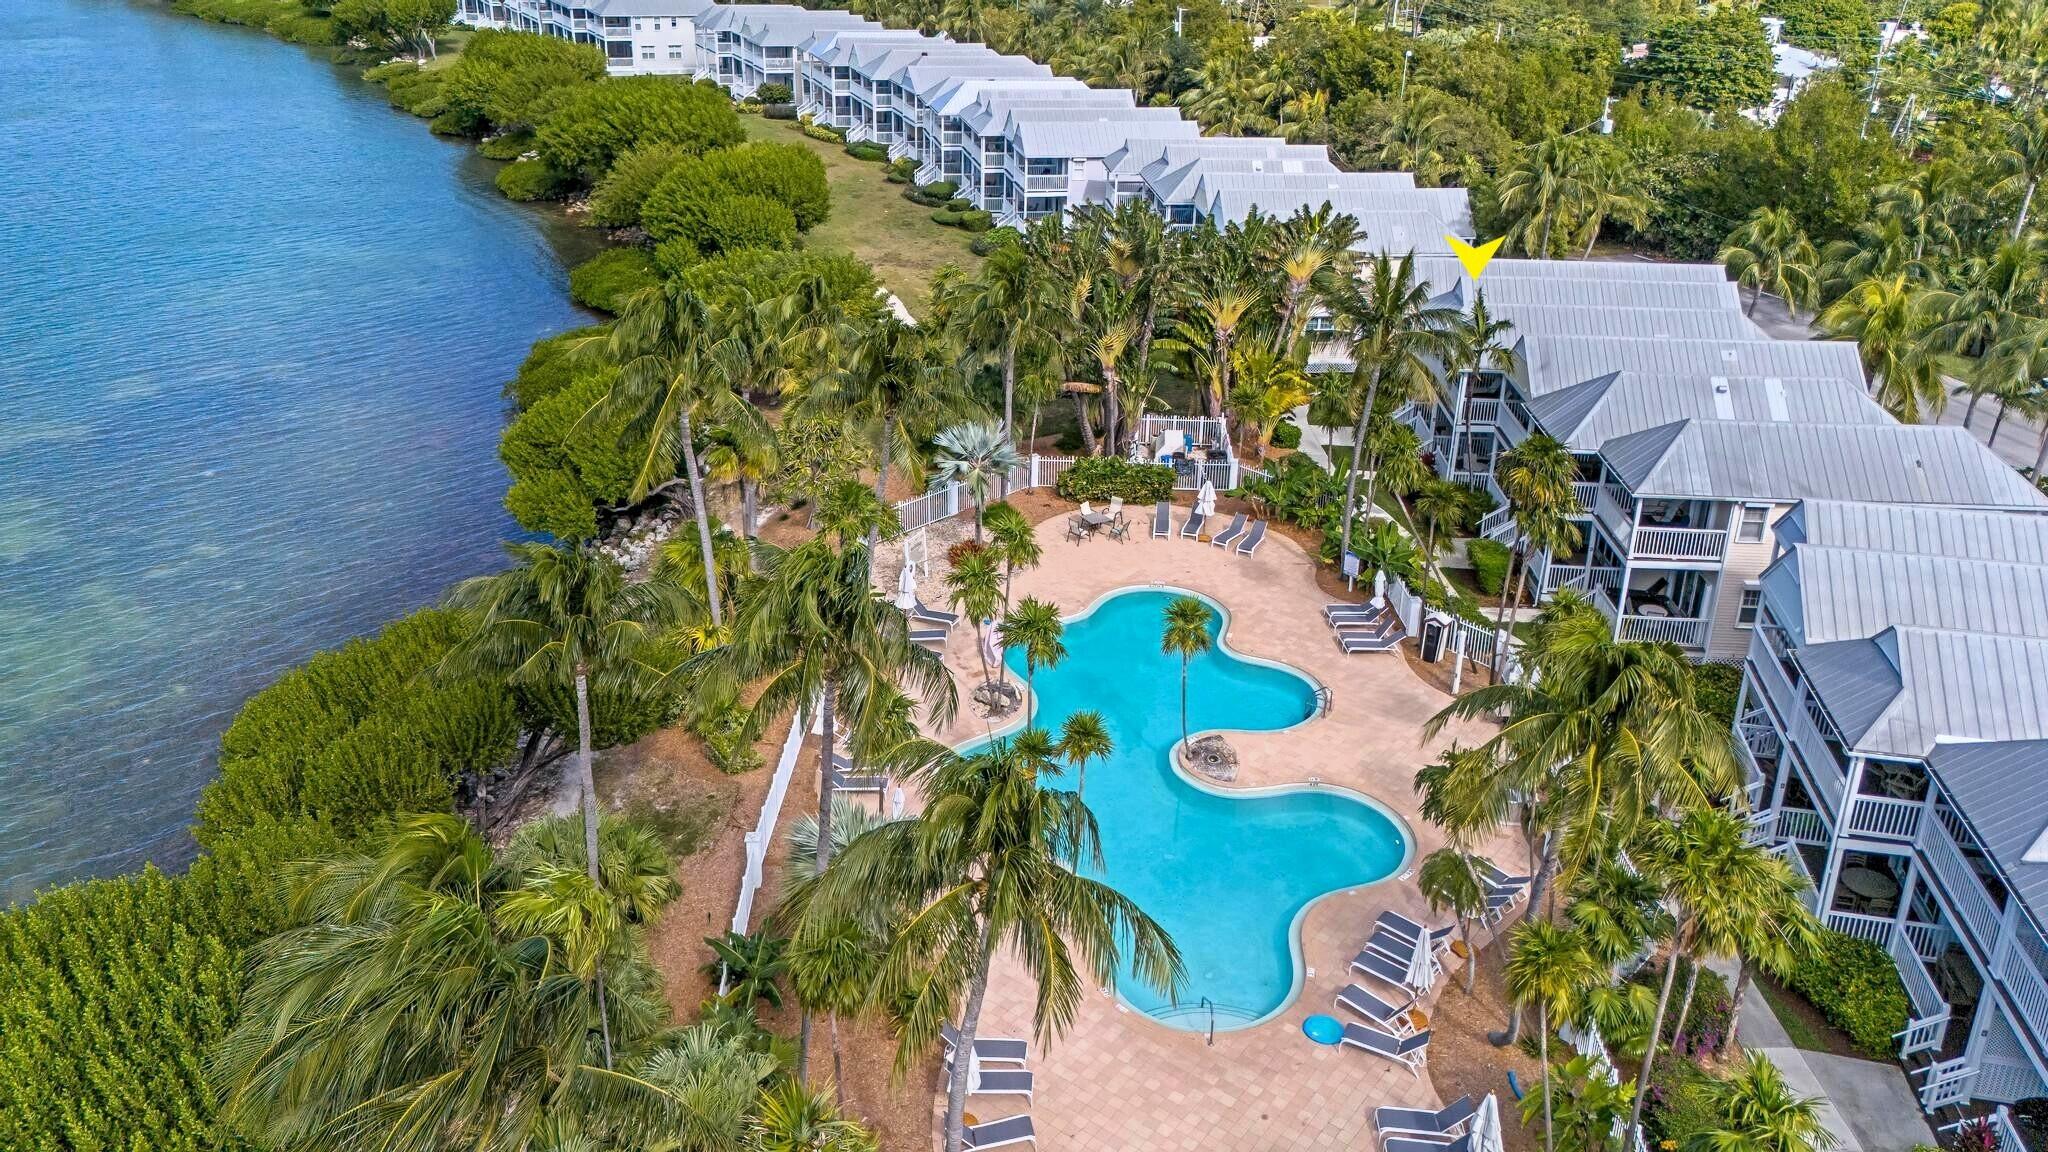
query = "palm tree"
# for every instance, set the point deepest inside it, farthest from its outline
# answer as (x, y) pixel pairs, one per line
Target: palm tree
(995, 861)
(1440, 502)
(832, 967)
(2023, 160)
(564, 616)
(1756, 1111)
(1549, 967)
(1721, 888)
(1033, 627)
(1084, 736)
(1186, 636)
(975, 587)
(1779, 932)
(1890, 320)
(1449, 880)
(1393, 328)
(743, 453)
(1770, 253)
(792, 1118)
(673, 369)
(1111, 339)
(1386, 549)
(698, 1089)
(1014, 539)
(1619, 910)
(1222, 304)
(1543, 193)
(1001, 313)
(1609, 186)
(1473, 343)
(1268, 387)
(891, 383)
(1536, 476)
(977, 456)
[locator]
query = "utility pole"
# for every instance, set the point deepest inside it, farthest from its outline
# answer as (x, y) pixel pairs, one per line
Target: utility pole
(1877, 69)
(1178, 13)
(1406, 55)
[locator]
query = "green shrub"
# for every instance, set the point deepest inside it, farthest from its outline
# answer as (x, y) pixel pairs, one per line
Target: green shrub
(1489, 564)
(977, 221)
(389, 70)
(739, 222)
(1855, 986)
(868, 150)
(1102, 477)
(597, 123)
(617, 200)
(547, 369)
(1287, 434)
(606, 280)
(447, 124)
(1715, 687)
(726, 739)
(993, 239)
(1680, 1101)
(774, 94)
(900, 171)
(565, 465)
(526, 180)
(1297, 490)
(674, 257)
(825, 132)
(939, 195)
(790, 174)
(420, 93)
(779, 111)
(510, 81)
(506, 146)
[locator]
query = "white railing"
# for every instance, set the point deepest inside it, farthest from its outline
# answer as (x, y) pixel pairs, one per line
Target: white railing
(1407, 606)
(1946, 1083)
(1582, 578)
(2000, 1122)
(1680, 543)
(1587, 493)
(1877, 929)
(1613, 510)
(1512, 430)
(1498, 524)
(1929, 941)
(1929, 1024)
(2025, 986)
(1684, 632)
(1802, 825)
(1883, 816)
(1965, 894)
(944, 503)
(1482, 413)
(763, 836)
(1797, 729)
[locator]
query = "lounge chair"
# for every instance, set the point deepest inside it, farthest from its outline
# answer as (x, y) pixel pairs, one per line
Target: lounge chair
(988, 1049)
(1409, 1052)
(1162, 519)
(1351, 642)
(1381, 967)
(999, 1082)
(1440, 1122)
(1394, 946)
(1193, 527)
(1252, 539)
(1495, 878)
(930, 637)
(1223, 539)
(1408, 929)
(925, 614)
(845, 779)
(1335, 612)
(1425, 1144)
(1365, 1002)
(997, 1133)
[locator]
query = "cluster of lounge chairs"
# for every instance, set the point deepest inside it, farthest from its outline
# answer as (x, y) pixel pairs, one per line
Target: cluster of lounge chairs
(1008, 1077)
(1389, 1030)
(1364, 627)
(1244, 539)
(929, 626)
(1445, 1129)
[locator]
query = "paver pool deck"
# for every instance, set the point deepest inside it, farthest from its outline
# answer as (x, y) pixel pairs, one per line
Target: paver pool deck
(1118, 1080)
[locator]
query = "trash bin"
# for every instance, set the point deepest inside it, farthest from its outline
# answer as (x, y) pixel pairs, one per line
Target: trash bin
(1436, 634)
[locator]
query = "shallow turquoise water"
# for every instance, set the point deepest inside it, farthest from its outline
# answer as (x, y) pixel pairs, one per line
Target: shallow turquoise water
(1225, 874)
(253, 327)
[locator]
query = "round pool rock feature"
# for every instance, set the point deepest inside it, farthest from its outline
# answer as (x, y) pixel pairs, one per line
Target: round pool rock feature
(1323, 1029)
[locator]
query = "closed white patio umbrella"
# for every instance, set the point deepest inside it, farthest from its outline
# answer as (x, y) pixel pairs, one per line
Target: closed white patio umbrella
(1205, 500)
(906, 588)
(1486, 1125)
(1421, 965)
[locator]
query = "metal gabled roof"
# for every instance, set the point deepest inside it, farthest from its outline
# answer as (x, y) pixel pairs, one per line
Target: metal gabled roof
(1587, 416)
(2013, 537)
(1998, 787)
(1559, 360)
(1949, 686)
(1823, 594)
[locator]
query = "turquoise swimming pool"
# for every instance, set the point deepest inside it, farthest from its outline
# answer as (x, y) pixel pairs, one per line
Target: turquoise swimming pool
(1227, 874)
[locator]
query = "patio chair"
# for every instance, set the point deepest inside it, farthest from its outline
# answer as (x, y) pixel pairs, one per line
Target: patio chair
(1408, 929)
(1116, 507)
(845, 779)
(1440, 1122)
(1385, 1013)
(924, 614)
(1162, 519)
(1381, 967)
(1252, 539)
(1087, 509)
(1395, 946)
(929, 637)
(987, 1049)
(1223, 539)
(1410, 1052)
(1120, 528)
(1076, 530)
(1425, 1144)
(999, 1082)
(1193, 527)
(997, 1133)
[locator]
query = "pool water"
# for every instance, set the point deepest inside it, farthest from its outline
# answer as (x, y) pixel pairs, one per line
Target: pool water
(1225, 874)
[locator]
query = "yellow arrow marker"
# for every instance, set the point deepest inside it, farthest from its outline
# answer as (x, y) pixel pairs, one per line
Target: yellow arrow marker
(1475, 257)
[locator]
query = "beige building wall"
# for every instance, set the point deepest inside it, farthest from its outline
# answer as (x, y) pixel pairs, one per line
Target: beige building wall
(1729, 640)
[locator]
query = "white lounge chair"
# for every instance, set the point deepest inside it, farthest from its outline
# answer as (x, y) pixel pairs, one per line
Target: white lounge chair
(929, 637)
(1381, 967)
(1349, 642)
(1252, 539)
(1336, 612)
(845, 779)
(997, 1133)
(1223, 539)
(999, 1082)
(1385, 1013)
(1440, 1122)
(1410, 931)
(1425, 1144)
(1410, 1052)
(1193, 525)
(1394, 946)
(987, 1049)
(924, 614)
(1162, 519)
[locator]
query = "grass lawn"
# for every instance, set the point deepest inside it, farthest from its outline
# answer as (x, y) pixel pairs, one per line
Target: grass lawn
(871, 219)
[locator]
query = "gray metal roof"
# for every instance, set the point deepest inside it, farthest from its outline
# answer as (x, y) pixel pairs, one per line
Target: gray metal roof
(1998, 787)
(1823, 594)
(681, 9)
(1533, 317)
(958, 95)
(993, 112)
(1448, 271)
(1958, 685)
(1551, 361)
(928, 77)
(1691, 294)
(1586, 416)
(1094, 133)
(2013, 537)
(1751, 460)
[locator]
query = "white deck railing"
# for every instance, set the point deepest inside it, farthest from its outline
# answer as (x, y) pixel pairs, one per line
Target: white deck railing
(1929, 1023)
(1966, 898)
(763, 836)
(1883, 816)
(1877, 929)
(1680, 543)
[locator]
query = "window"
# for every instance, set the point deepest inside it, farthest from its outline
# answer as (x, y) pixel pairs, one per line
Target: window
(1751, 529)
(647, 54)
(1746, 610)
(618, 50)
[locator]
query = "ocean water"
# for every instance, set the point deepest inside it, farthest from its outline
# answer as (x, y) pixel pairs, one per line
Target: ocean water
(1224, 874)
(253, 327)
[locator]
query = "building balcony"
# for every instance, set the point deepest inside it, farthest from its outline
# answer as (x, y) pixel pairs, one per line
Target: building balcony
(1482, 411)
(1963, 895)
(1679, 543)
(1796, 727)
(1885, 818)
(1686, 632)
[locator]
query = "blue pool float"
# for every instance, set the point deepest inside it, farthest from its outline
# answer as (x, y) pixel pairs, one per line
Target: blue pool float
(1323, 1029)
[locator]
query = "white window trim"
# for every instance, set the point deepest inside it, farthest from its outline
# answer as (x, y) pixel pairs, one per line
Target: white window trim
(1747, 587)
(1763, 531)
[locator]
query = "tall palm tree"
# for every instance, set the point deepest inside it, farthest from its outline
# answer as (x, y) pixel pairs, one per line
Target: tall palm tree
(1542, 193)
(1769, 252)
(674, 368)
(1001, 313)
(1778, 933)
(2023, 161)
(1014, 540)
(565, 616)
(975, 587)
(1721, 888)
(1033, 627)
(1609, 187)
(1439, 502)
(995, 861)
(1474, 342)
(1756, 1111)
(1890, 320)
(1549, 967)
(977, 456)
(832, 966)
(1998, 297)
(1536, 476)
(699, 1089)
(1222, 305)
(792, 1118)
(743, 453)
(1268, 387)
(1619, 910)
(1107, 346)
(891, 383)
(1393, 330)
(1084, 737)
(1449, 879)
(1186, 636)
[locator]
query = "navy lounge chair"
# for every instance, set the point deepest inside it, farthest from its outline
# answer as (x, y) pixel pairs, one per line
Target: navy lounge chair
(1439, 1122)
(988, 1049)
(1236, 529)
(1409, 1052)
(1192, 527)
(1162, 519)
(996, 1133)
(1252, 539)
(1367, 1003)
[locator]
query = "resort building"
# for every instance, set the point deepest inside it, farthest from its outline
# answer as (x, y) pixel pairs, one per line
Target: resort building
(1895, 729)
(639, 37)
(743, 46)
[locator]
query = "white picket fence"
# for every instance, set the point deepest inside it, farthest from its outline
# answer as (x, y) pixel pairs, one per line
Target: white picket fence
(946, 502)
(762, 838)
(1467, 641)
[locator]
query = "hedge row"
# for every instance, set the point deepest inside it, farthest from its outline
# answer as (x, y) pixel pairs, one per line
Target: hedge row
(690, 202)
(1104, 477)
(1855, 985)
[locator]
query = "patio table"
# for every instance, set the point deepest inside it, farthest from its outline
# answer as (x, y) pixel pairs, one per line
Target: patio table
(1094, 519)
(1869, 883)
(1657, 610)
